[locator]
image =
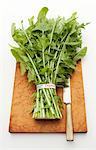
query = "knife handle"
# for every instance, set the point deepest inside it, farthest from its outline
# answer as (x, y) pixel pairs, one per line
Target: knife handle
(69, 125)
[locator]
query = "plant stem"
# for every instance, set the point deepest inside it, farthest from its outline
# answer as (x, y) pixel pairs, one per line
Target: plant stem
(51, 36)
(42, 105)
(34, 66)
(54, 102)
(57, 65)
(58, 62)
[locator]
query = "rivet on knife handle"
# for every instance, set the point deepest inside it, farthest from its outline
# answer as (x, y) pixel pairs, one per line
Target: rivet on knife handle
(69, 126)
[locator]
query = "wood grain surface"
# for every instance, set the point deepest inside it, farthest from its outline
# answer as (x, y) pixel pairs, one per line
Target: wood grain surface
(21, 120)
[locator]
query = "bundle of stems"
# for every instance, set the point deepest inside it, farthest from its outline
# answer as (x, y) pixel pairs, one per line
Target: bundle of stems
(48, 51)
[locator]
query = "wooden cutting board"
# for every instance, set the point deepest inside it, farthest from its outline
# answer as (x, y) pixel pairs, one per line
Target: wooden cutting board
(21, 120)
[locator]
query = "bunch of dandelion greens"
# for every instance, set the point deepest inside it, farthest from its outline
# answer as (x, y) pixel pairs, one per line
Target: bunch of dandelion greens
(48, 51)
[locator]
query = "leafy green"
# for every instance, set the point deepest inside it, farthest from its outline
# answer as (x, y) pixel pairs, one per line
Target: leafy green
(47, 51)
(31, 75)
(23, 68)
(42, 14)
(80, 54)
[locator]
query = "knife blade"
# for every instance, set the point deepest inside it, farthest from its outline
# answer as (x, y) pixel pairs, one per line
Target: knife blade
(67, 101)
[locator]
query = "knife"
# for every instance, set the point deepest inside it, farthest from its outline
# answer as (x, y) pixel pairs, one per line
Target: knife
(67, 101)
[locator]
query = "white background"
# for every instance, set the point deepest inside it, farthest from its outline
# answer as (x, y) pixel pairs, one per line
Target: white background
(16, 10)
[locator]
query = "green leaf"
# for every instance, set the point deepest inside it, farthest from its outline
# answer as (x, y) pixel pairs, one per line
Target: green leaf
(16, 55)
(44, 42)
(42, 23)
(25, 58)
(80, 54)
(42, 26)
(42, 13)
(72, 43)
(22, 68)
(72, 18)
(13, 28)
(18, 35)
(59, 25)
(31, 21)
(31, 75)
(70, 63)
(43, 70)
